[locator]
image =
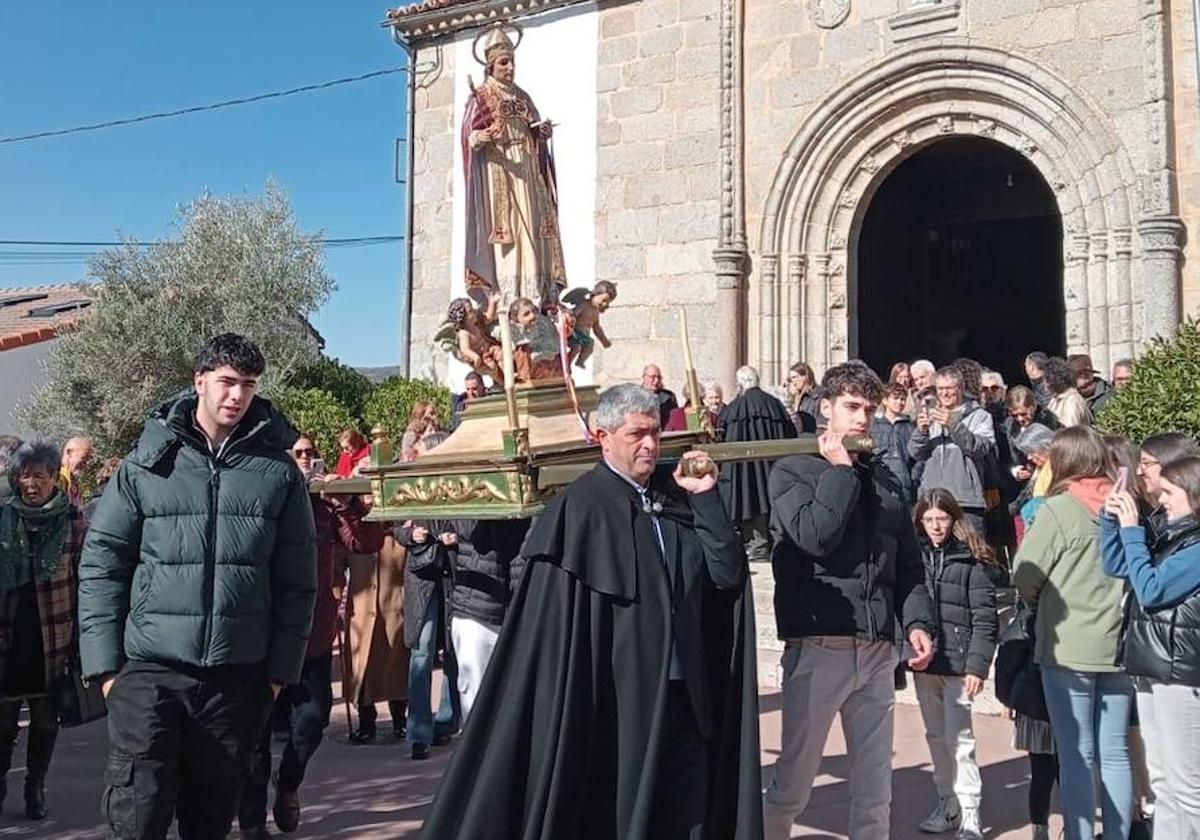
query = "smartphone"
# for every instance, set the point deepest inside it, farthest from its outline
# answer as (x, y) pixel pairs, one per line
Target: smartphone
(1122, 481)
(318, 467)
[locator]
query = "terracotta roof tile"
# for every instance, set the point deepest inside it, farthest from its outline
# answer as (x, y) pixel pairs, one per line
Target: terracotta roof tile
(20, 323)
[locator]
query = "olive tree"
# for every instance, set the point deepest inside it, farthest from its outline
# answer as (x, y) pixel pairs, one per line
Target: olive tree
(237, 264)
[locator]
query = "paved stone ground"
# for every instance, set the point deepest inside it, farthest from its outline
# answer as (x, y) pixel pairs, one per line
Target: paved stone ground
(376, 792)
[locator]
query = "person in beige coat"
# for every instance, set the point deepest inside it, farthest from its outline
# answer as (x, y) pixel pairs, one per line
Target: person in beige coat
(378, 659)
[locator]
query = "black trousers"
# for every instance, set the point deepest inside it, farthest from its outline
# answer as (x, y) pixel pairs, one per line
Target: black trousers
(178, 742)
(43, 731)
(681, 789)
(305, 707)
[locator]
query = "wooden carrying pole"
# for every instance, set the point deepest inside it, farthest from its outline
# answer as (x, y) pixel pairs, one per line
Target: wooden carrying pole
(697, 401)
(506, 348)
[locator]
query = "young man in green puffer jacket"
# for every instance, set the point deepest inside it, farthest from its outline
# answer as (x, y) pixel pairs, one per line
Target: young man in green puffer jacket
(196, 595)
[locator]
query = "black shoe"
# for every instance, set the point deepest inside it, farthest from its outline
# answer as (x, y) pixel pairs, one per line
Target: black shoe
(35, 802)
(400, 733)
(258, 833)
(362, 735)
(420, 752)
(287, 810)
(441, 739)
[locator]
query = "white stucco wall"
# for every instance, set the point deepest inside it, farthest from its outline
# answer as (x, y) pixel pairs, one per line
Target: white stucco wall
(22, 372)
(556, 66)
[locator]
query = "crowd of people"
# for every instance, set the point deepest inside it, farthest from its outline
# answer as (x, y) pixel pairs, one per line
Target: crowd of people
(205, 588)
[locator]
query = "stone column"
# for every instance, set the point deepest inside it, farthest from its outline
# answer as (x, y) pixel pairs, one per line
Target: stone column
(731, 255)
(1120, 307)
(816, 353)
(793, 312)
(1160, 229)
(730, 314)
(1075, 292)
(768, 350)
(1161, 249)
(1097, 272)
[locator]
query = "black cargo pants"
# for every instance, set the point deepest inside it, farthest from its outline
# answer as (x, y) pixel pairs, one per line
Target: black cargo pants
(178, 742)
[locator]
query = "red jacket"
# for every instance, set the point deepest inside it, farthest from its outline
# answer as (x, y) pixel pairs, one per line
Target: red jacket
(337, 526)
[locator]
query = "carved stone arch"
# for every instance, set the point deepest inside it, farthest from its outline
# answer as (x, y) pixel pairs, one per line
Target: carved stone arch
(860, 133)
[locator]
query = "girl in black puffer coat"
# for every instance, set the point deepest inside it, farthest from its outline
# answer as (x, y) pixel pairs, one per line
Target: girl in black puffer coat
(964, 602)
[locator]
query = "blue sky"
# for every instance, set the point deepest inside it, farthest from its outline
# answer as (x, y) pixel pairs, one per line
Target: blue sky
(332, 151)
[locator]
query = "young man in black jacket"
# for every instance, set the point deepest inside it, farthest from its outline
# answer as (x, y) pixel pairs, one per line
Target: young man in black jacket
(847, 567)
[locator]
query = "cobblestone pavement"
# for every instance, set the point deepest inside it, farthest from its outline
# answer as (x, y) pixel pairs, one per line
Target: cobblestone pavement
(376, 792)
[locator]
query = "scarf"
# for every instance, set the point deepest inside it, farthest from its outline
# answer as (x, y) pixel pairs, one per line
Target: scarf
(21, 558)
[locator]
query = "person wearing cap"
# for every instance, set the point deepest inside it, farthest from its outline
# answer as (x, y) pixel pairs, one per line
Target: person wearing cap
(1090, 386)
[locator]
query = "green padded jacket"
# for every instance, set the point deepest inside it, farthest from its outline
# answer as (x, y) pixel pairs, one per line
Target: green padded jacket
(201, 558)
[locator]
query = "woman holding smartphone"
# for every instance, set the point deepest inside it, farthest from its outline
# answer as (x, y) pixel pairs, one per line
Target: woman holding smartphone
(1160, 643)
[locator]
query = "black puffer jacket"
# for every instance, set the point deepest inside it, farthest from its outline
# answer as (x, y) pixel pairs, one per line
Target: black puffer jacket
(846, 558)
(481, 573)
(964, 609)
(1164, 644)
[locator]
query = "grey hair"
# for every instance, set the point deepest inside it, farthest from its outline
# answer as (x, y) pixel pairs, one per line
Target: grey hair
(711, 385)
(619, 400)
(31, 455)
(993, 374)
(747, 377)
(921, 365)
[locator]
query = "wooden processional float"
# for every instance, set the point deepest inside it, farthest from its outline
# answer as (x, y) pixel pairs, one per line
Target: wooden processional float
(512, 451)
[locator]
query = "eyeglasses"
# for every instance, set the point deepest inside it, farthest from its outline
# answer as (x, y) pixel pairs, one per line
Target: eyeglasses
(1147, 463)
(300, 453)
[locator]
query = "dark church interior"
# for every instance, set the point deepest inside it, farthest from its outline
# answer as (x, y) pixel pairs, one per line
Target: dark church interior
(960, 254)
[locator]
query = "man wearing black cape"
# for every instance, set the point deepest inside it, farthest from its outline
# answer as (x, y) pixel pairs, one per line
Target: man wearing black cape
(621, 700)
(753, 415)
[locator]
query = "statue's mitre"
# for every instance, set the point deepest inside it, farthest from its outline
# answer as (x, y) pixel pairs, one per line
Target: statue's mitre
(495, 41)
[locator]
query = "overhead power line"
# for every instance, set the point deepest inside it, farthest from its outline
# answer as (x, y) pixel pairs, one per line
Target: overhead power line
(331, 242)
(196, 109)
(77, 252)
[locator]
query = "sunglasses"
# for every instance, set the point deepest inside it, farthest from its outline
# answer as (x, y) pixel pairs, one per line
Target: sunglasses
(300, 453)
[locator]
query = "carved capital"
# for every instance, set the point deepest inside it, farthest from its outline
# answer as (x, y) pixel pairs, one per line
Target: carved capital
(1161, 237)
(731, 267)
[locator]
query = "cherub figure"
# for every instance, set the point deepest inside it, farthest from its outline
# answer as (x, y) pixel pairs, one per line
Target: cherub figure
(586, 308)
(535, 342)
(474, 343)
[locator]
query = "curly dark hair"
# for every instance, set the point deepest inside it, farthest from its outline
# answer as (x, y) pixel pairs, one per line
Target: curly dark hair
(972, 375)
(459, 311)
(232, 350)
(1057, 375)
(853, 377)
(605, 287)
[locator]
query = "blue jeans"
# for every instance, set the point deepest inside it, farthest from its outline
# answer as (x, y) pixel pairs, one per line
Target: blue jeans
(422, 725)
(1089, 713)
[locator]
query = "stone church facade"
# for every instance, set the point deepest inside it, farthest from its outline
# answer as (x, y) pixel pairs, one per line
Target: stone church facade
(737, 146)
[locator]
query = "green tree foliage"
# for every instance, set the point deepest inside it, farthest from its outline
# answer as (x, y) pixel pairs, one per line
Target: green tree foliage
(350, 387)
(317, 413)
(237, 265)
(1164, 394)
(391, 404)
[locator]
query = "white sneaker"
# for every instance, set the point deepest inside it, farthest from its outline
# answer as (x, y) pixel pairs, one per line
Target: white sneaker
(969, 828)
(1041, 832)
(945, 817)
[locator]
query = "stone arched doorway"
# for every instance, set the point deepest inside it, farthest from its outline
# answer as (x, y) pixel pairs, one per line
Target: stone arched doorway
(802, 291)
(959, 253)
